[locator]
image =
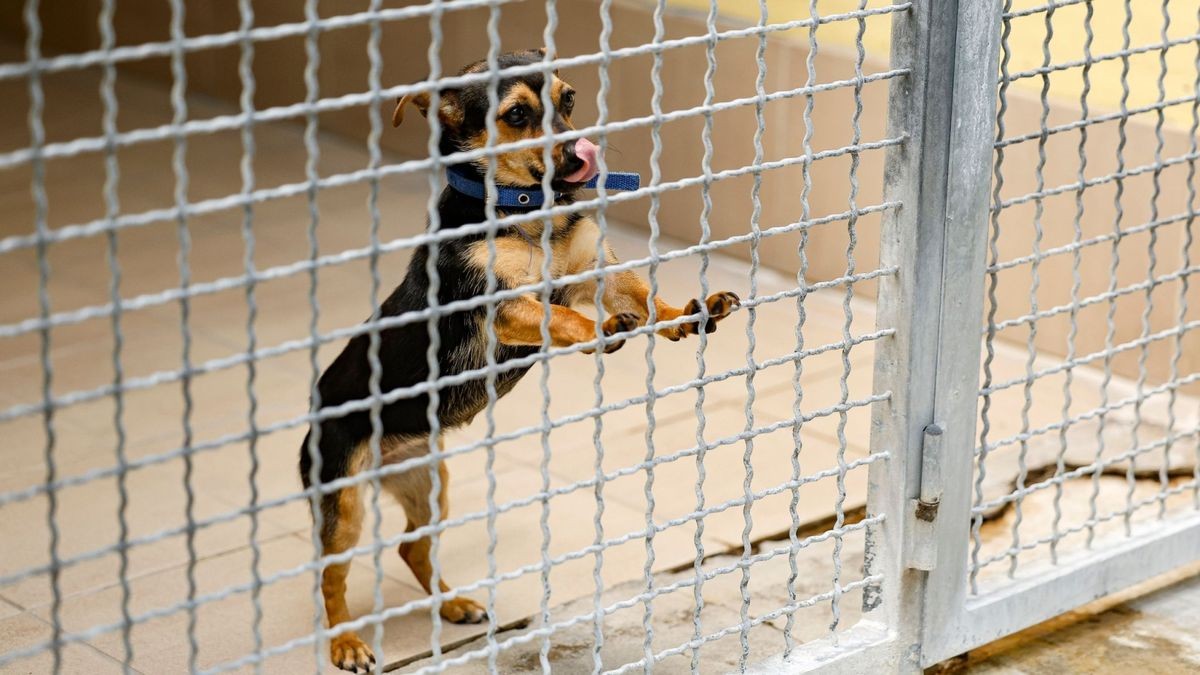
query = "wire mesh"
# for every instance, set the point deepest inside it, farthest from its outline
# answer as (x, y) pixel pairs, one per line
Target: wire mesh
(193, 402)
(1104, 446)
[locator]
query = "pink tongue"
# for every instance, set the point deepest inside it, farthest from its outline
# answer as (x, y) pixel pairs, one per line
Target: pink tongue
(586, 151)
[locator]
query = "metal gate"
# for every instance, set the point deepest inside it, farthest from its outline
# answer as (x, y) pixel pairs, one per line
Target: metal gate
(955, 237)
(983, 263)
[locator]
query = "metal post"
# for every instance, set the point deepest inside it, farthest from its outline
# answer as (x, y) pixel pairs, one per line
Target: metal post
(938, 245)
(956, 350)
(946, 108)
(940, 174)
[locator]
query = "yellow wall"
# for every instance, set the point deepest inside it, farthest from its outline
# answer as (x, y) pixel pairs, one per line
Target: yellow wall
(1025, 45)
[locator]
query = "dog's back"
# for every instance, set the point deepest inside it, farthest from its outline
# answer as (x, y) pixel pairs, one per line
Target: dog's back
(404, 363)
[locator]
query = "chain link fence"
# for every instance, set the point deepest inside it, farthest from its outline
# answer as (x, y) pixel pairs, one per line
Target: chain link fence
(664, 549)
(207, 200)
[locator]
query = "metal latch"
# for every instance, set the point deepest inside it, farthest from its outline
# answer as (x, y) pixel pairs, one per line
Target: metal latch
(923, 511)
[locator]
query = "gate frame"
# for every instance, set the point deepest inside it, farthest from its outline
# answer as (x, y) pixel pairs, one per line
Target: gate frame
(922, 613)
(954, 622)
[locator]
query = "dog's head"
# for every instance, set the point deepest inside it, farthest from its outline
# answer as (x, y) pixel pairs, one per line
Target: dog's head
(463, 115)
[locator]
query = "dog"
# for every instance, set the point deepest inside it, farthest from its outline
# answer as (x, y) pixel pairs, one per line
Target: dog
(344, 441)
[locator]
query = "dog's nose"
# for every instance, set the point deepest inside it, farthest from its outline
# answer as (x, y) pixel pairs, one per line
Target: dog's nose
(580, 158)
(569, 152)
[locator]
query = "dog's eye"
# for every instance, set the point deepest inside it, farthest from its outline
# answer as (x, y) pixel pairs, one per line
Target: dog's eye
(568, 102)
(516, 116)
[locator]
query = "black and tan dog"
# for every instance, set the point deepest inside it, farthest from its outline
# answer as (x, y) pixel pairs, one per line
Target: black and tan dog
(461, 263)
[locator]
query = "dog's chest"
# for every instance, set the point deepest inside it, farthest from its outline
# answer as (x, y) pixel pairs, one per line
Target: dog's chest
(518, 261)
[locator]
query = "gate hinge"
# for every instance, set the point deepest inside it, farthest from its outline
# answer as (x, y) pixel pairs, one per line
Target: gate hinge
(923, 511)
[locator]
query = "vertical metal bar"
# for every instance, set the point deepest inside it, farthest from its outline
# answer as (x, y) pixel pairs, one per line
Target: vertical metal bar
(598, 300)
(1118, 236)
(312, 151)
(179, 165)
(544, 331)
(1148, 309)
(37, 139)
(1076, 283)
(375, 442)
(1031, 351)
(913, 176)
(705, 234)
(246, 100)
(993, 302)
(956, 383)
(112, 207)
(489, 324)
(1182, 300)
(434, 57)
(760, 57)
(801, 317)
(652, 318)
(848, 320)
(1192, 207)
(931, 365)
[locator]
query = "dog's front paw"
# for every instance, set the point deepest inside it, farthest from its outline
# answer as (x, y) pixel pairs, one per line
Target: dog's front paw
(719, 306)
(619, 323)
(350, 653)
(463, 610)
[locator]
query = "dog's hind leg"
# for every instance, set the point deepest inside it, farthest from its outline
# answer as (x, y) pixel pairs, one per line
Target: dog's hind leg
(412, 489)
(342, 512)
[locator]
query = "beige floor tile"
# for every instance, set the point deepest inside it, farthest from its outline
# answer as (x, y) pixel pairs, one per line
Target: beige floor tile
(21, 271)
(224, 627)
(25, 445)
(823, 391)
(1086, 391)
(24, 631)
(81, 359)
(570, 649)
(153, 419)
(8, 609)
(86, 517)
(81, 354)
(675, 481)
(1004, 415)
(519, 540)
(224, 473)
(1009, 415)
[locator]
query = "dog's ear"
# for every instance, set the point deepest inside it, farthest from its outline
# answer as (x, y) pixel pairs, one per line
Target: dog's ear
(449, 111)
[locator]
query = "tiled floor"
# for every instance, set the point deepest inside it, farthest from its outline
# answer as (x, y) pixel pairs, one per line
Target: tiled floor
(153, 422)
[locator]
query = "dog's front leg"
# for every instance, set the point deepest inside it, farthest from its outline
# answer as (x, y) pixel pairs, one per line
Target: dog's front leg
(627, 292)
(519, 322)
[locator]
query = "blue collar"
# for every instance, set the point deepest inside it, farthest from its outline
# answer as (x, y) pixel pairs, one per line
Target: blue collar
(463, 182)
